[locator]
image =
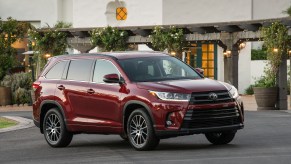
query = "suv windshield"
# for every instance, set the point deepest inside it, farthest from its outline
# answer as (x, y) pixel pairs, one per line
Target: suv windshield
(158, 68)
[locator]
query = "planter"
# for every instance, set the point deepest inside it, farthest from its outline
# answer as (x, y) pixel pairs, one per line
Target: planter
(266, 98)
(5, 95)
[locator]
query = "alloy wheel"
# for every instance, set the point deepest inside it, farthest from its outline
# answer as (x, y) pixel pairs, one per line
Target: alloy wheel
(138, 130)
(53, 128)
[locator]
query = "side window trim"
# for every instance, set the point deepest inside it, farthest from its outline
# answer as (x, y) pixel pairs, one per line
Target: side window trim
(65, 72)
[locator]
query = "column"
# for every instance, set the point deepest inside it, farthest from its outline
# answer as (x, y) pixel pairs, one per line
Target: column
(234, 65)
(282, 84)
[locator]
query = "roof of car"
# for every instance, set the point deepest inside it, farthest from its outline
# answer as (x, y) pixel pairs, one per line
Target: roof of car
(116, 55)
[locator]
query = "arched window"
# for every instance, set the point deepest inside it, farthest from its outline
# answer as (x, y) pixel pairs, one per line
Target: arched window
(116, 13)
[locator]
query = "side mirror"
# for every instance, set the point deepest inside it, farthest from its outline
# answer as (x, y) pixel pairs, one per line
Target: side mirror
(200, 70)
(111, 78)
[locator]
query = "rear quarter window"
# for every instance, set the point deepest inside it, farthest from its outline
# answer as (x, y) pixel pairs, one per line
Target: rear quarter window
(56, 71)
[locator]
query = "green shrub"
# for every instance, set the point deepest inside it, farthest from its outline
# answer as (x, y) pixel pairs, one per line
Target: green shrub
(21, 96)
(258, 54)
(249, 90)
(20, 84)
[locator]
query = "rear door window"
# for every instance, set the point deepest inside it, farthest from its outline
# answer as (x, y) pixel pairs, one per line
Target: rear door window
(80, 70)
(56, 71)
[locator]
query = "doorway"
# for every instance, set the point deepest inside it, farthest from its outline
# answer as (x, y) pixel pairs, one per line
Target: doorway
(203, 55)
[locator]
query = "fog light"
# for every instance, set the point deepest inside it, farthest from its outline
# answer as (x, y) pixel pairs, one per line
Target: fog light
(169, 123)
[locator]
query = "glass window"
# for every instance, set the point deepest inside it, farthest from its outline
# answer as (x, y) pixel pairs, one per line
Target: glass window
(121, 13)
(80, 70)
(103, 67)
(157, 69)
(56, 71)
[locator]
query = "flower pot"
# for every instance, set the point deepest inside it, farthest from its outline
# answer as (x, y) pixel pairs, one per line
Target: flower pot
(266, 98)
(5, 95)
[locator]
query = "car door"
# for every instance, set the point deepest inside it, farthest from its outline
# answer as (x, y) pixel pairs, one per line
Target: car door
(74, 91)
(104, 103)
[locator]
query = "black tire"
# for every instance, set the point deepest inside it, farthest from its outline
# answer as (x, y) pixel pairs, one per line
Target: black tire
(140, 131)
(124, 137)
(220, 138)
(54, 129)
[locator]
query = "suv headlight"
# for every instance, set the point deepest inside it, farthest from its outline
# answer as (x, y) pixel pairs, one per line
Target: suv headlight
(233, 92)
(171, 96)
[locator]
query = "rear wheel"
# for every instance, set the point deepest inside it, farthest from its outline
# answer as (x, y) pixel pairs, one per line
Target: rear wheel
(55, 132)
(220, 138)
(140, 131)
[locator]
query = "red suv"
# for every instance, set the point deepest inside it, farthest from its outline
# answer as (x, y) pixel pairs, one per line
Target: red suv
(142, 96)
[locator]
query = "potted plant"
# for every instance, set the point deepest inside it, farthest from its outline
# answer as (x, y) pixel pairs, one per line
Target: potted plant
(277, 42)
(266, 92)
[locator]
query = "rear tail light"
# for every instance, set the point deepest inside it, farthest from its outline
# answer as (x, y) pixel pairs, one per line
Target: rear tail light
(36, 85)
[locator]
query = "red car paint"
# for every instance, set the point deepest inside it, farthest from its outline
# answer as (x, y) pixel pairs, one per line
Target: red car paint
(90, 107)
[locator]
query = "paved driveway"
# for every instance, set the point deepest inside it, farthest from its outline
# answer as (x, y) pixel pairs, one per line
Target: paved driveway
(265, 139)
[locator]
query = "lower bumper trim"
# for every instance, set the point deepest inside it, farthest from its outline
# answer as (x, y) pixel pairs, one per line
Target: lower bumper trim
(174, 133)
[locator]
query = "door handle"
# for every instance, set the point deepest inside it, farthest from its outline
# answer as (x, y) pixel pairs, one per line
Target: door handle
(90, 91)
(61, 87)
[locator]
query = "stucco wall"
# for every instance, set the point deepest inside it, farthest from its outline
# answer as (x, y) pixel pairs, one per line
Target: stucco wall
(244, 68)
(92, 13)
(266, 9)
(201, 11)
(44, 11)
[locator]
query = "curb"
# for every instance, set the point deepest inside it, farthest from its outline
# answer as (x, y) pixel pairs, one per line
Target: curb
(23, 123)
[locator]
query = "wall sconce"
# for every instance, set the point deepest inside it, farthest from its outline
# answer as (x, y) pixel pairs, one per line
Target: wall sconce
(242, 45)
(227, 53)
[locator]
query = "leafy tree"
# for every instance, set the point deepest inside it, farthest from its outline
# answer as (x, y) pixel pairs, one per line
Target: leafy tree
(11, 31)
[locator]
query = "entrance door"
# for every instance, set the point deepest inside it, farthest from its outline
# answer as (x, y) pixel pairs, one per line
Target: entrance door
(203, 55)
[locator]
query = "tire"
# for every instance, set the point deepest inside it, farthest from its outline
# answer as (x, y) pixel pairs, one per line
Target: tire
(54, 129)
(124, 137)
(140, 131)
(220, 138)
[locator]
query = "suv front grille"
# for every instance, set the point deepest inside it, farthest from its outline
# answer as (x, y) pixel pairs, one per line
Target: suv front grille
(203, 97)
(207, 118)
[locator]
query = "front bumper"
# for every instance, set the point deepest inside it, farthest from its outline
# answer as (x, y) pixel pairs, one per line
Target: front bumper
(174, 133)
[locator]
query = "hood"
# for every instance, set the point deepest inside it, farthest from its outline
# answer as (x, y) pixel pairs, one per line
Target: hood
(183, 86)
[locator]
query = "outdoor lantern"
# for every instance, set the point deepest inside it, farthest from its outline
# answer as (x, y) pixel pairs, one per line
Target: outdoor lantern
(227, 53)
(275, 49)
(289, 53)
(173, 53)
(242, 45)
(47, 55)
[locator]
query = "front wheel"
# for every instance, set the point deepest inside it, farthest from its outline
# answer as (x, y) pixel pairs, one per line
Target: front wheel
(54, 128)
(140, 131)
(220, 138)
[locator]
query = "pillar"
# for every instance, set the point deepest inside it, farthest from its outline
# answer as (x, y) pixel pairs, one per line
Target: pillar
(234, 65)
(282, 84)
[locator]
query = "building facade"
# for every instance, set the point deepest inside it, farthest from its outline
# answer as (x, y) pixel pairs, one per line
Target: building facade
(101, 13)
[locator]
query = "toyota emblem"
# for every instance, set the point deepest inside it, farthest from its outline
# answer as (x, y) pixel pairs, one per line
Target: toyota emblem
(212, 96)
